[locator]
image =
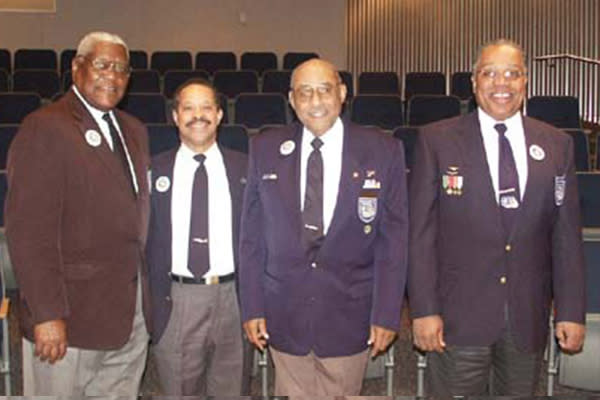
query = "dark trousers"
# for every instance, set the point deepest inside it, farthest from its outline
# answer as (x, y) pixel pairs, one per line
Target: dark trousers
(466, 370)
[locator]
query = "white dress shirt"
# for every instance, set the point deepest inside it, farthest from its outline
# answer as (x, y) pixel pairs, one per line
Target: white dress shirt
(516, 136)
(220, 239)
(103, 125)
(331, 152)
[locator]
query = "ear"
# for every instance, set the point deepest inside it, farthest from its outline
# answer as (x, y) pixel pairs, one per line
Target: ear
(343, 91)
(175, 117)
(219, 115)
(291, 99)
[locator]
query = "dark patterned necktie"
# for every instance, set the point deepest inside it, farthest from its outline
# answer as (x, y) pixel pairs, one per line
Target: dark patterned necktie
(118, 149)
(508, 180)
(312, 215)
(198, 255)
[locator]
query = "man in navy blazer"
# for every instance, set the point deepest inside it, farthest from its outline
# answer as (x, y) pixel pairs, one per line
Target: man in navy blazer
(487, 258)
(197, 336)
(320, 304)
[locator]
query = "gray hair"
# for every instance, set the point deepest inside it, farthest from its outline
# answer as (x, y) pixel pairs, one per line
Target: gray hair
(89, 41)
(500, 42)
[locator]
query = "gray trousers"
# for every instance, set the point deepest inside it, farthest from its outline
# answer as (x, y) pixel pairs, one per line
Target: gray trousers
(200, 352)
(91, 372)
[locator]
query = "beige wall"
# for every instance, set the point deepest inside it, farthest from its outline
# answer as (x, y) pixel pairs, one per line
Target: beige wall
(269, 25)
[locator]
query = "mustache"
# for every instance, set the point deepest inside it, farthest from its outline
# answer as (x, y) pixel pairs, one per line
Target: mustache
(197, 119)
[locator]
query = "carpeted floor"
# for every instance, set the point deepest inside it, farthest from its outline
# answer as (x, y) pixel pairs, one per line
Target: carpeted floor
(404, 377)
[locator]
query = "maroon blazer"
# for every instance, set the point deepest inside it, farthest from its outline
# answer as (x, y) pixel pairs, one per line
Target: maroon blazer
(75, 229)
(459, 253)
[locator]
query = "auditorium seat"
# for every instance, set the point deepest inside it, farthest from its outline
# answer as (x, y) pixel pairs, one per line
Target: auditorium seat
(348, 80)
(174, 78)
(408, 136)
(3, 190)
(589, 198)
(66, 80)
(138, 59)
(144, 81)
(232, 83)
(212, 61)
(3, 81)
(148, 107)
(461, 85)
(66, 57)
(256, 109)
(15, 106)
(292, 59)
(233, 137)
(44, 82)
(423, 109)
(162, 137)
(35, 59)
(382, 110)
(258, 61)
(582, 149)
(7, 134)
(424, 83)
(5, 62)
(378, 83)
(276, 82)
(165, 60)
(560, 111)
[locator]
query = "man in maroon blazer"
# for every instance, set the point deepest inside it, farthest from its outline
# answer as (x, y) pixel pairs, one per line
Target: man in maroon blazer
(495, 238)
(76, 221)
(323, 241)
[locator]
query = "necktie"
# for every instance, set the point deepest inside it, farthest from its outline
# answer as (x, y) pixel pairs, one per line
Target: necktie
(198, 255)
(508, 180)
(118, 149)
(312, 215)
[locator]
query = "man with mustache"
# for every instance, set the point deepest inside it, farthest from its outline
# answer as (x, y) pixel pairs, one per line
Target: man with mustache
(76, 222)
(323, 242)
(197, 191)
(495, 238)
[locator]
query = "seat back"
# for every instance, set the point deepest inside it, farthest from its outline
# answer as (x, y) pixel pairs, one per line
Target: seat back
(461, 85)
(259, 61)
(148, 107)
(15, 106)
(560, 111)
(384, 111)
(378, 83)
(408, 136)
(174, 78)
(233, 137)
(162, 137)
(416, 83)
(144, 81)
(588, 184)
(292, 59)
(256, 109)
(582, 149)
(5, 62)
(212, 61)
(35, 59)
(276, 81)
(423, 109)
(138, 59)
(232, 83)
(7, 134)
(165, 60)
(66, 57)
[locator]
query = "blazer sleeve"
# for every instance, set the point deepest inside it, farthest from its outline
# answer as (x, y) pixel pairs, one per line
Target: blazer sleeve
(253, 252)
(390, 260)
(33, 207)
(568, 271)
(423, 260)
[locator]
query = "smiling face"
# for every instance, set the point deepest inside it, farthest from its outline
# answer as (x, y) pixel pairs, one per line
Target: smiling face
(500, 81)
(317, 95)
(197, 116)
(103, 89)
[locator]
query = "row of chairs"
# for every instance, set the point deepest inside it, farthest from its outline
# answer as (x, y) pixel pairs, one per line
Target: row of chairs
(161, 61)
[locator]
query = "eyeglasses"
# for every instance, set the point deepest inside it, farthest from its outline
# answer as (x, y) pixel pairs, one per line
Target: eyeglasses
(305, 92)
(100, 64)
(510, 74)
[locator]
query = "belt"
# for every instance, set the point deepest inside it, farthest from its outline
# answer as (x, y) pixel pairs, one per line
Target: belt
(209, 280)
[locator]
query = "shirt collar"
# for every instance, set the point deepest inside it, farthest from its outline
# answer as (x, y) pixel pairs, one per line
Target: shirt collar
(211, 153)
(334, 134)
(96, 113)
(487, 123)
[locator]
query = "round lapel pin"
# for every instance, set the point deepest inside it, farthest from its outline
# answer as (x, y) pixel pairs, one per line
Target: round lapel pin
(536, 152)
(287, 147)
(162, 184)
(93, 138)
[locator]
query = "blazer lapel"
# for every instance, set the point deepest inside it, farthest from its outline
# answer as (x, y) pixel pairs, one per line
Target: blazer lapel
(288, 168)
(161, 200)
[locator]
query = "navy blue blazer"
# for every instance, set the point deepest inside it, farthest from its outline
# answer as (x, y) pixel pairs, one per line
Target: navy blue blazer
(358, 278)
(158, 249)
(463, 266)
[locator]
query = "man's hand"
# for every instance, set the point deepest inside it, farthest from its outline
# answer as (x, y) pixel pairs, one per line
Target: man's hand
(428, 333)
(256, 330)
(570, 336)
(50, 340)
(379, 339)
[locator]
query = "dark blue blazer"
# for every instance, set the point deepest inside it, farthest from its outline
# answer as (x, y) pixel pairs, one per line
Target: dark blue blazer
(358, 278)
(459, 252)
(158, 249)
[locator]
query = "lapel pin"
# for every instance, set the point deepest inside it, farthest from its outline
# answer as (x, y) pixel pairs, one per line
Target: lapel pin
(536, 152)
(355, 175)
(162, 184)
(93, 138)
(287, 147)
(367, 228)
(243, 180)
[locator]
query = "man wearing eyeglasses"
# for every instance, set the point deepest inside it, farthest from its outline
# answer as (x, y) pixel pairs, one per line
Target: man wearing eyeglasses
(495, 239)
(76, 221)
(323, 241)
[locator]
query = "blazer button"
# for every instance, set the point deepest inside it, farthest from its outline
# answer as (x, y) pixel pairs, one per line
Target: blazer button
(508, 248)
(313, 265)
(503, 280)
(168, 298)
